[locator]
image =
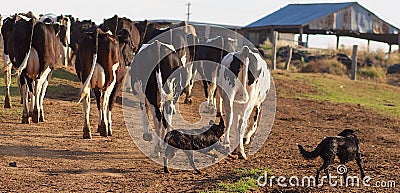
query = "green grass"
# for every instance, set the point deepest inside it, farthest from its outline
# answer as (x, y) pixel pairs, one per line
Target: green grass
(242, 180)
(377, 96)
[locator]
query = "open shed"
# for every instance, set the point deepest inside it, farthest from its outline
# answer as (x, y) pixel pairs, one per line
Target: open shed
(339, 19)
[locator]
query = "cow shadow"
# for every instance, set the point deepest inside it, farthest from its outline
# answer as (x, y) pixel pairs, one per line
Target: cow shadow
(45, 152)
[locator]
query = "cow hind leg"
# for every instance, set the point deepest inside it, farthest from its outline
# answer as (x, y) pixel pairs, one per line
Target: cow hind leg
(24, 96)
(156, 114)
(97, 95)
(86, 125)
(37, 91)
(42, 94)
(36, 94)
(109, 131)
(7, 81)
(254, 124)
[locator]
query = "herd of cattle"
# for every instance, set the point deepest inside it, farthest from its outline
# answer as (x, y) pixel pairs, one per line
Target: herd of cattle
(162, 64)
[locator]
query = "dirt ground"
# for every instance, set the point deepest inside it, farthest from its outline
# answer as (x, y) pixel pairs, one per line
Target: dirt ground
(52, 156)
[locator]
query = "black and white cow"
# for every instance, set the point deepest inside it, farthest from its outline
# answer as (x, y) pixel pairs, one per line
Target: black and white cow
(244, 81)
(155, 89)
(34, 50)
(209, 55)
(6, 29)
(177, 37)
(64, 34)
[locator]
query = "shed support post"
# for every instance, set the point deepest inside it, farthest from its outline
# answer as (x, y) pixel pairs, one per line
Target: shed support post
(369, 43)
(307, 40)
(301, 36)
(289, 51)
(274, 45)
(398, 42)
(354, 63)
(337, 42)
(390, 50)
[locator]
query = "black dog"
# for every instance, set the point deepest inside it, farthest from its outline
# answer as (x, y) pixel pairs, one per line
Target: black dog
(345, 146)
(205, 141)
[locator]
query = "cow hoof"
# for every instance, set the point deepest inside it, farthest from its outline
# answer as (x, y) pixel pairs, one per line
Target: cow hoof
(155, 154)
(147, 136)
(243, 156)
(188, 101)
(87, 133)
(246, 141)
(41, 118)
(103, 130)
(25, 119)
(166, 170)
(7, 102)
(35, 116)
(109, 130)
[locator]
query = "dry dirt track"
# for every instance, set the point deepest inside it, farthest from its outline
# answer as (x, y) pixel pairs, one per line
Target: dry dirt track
(52, 156)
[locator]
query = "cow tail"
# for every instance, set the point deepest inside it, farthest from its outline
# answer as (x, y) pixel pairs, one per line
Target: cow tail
(245, 69)
(85, 90)
(25, 61)
(158, 69)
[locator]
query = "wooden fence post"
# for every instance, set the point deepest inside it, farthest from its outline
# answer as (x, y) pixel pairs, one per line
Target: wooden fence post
(289, 51)
(354, 63)
(274, 45)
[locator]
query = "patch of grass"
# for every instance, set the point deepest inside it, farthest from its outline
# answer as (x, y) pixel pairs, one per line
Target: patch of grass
(63, 74)
(330, 66)
(372, 73)
(246, 180)
(377, 96)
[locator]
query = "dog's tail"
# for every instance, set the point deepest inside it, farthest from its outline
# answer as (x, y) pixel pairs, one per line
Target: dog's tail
(310, 155)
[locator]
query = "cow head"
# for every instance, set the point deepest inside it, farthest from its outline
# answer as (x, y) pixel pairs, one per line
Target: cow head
(126, 47)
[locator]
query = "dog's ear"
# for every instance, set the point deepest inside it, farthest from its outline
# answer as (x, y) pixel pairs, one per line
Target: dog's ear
(221, 122)
(346, 132)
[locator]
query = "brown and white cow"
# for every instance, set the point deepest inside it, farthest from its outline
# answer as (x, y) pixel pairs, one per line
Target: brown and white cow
(34, 50)
(98, 65)
(116, 25)
(78, 28)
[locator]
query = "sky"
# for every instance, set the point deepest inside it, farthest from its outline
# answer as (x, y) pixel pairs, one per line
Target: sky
(230, 12)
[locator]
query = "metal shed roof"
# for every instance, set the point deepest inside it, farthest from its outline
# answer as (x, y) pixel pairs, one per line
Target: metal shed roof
(298, 14)
(342, 19)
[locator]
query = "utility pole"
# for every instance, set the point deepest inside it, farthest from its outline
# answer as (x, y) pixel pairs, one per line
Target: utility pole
(188, 11)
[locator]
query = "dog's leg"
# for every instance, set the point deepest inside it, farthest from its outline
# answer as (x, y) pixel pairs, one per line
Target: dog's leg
(323, 167)
(169, 154)
(326, 172)
(207, 152)
(358, 159)
(190, 156)
(166, 165)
